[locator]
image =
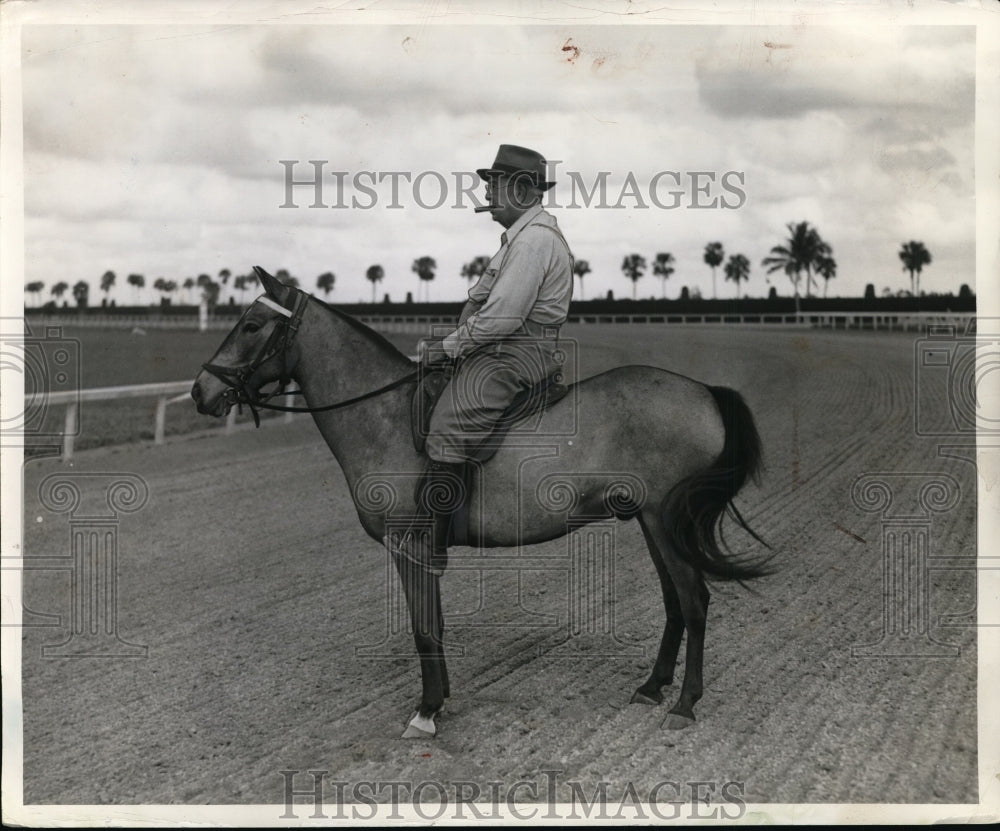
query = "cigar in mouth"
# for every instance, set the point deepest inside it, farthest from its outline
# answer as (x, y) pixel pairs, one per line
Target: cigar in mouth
(484, 208)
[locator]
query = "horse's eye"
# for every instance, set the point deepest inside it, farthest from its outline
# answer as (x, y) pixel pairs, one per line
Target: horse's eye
(250, 328)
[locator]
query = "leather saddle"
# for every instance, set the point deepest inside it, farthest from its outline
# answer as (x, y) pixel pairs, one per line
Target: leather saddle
(527, 403)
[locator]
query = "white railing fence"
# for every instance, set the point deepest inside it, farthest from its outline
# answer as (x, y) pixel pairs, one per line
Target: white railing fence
(165, 394)
(419, 323)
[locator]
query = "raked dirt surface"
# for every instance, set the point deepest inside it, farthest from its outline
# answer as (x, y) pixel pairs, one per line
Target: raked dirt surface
(260, 600)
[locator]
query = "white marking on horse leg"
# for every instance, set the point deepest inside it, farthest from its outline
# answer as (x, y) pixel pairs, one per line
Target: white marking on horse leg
(420, 728)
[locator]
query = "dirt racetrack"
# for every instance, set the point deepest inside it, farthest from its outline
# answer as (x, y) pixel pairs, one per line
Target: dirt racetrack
(251, 582)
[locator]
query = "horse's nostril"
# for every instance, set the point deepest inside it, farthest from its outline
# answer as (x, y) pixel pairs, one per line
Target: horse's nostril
(196, 392)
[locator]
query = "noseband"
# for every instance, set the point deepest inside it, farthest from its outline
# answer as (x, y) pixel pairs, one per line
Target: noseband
(278, 343)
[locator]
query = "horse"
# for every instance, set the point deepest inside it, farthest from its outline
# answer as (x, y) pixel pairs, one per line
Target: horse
(645, 443)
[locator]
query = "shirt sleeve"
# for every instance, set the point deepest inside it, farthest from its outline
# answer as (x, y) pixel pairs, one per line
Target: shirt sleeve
(511, 298)
(469, 309)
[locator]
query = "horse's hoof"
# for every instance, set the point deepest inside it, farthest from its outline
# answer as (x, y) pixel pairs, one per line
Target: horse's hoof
(675, 721)
(412, 732)
(639, 697)
(420, 728)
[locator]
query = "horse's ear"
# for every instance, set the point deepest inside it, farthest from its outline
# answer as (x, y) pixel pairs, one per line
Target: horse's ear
(273, 287)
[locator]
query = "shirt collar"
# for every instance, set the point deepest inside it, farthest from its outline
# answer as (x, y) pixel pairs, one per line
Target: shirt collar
(507, 236)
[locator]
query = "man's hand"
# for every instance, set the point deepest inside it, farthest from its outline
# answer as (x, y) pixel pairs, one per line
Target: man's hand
(431, 353)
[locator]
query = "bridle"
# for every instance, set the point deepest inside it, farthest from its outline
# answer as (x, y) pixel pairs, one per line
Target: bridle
(277, 345)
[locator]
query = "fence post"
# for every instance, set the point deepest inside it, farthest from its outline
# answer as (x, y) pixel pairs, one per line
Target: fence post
(161, 419)
(69, 431)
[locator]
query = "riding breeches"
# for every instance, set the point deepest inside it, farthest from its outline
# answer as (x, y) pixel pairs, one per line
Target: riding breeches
(484, 385)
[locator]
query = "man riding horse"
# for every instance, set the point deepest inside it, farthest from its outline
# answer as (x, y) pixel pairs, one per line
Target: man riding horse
(659, 447)
(505, 343)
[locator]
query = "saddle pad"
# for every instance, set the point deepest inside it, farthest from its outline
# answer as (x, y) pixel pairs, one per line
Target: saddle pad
(525, 404)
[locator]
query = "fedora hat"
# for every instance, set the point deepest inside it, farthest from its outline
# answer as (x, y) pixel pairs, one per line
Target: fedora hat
(512, 160)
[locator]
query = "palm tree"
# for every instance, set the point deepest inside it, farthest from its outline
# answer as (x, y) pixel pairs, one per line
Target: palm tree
(240, 284)
(107, 281)
(81, 293)
(325, 282)
(286, 278)
(801, 251)
(663, 267)
(475, 268)
(59, 289)
(914, 256)
(633, 266)
(251, 279)
(738, 270)
(424, 268)
(374, 275)
(714, 255)
(165, 287)
(209, 289)
(171, 286)
(137, 281)
(581, 268)
(826, 267)
(33, 288)
(224, 275)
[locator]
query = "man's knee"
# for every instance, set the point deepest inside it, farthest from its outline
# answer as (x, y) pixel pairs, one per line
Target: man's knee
(443, 448)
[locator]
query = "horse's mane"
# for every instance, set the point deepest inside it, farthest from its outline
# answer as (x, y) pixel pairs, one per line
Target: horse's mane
(376, 338)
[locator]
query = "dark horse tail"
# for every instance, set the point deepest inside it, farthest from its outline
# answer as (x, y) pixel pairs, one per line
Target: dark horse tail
(695, 506)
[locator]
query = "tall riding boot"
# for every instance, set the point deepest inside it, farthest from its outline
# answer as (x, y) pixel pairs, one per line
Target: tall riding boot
(439, 496)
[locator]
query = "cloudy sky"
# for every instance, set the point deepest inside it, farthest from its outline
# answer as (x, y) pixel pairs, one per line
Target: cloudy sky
(156, 149)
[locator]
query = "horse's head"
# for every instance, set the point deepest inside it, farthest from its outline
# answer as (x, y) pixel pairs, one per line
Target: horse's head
(259, 350)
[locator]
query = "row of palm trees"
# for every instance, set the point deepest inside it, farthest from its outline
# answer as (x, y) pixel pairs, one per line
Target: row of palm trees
(803, 253)
(210, 289)
(426, 270)
(736, 269)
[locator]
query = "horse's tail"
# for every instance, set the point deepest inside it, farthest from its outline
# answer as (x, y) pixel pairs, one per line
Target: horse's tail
(694, 507)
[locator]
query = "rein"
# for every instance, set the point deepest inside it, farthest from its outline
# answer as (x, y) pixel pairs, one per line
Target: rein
(236, 378)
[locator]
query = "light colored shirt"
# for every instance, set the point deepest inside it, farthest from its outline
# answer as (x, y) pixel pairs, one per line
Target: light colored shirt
(530, 279)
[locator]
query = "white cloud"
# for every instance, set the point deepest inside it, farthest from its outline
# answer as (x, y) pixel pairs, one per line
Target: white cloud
(156, 149)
